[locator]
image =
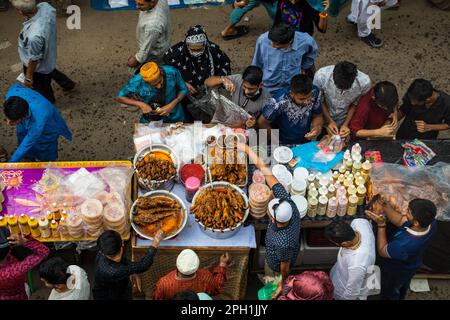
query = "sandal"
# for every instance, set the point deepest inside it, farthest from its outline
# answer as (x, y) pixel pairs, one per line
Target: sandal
(241, 31)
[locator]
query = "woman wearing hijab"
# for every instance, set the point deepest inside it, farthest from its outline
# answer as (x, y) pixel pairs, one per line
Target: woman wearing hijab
(309, 285)
(197, 59)
(302, 15)
(17, 256)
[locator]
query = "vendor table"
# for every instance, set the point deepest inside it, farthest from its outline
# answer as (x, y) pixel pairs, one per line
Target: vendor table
(21, 177)
(391, 151)
(208, 249)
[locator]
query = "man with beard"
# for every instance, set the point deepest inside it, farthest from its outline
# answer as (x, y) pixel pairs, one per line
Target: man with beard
(246, 91)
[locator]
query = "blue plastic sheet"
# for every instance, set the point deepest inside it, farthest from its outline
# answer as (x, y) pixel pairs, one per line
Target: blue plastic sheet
(306, 152)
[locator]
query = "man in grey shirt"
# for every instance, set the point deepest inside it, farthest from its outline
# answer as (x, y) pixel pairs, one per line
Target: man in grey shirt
(152, 32)
(38, 48)
(246, 91)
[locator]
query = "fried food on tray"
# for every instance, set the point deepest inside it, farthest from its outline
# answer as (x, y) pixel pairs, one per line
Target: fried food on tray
(229, 166)
(151, 168)
(155, 213)
(219, 208)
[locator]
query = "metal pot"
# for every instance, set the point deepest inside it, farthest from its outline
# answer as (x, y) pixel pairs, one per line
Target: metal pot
(227, 233)
(161, 193)
(155, 184)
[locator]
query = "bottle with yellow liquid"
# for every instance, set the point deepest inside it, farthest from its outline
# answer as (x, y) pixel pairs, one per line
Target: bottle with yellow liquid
(3, 222)
(13, 224)
(63, 230)
(361, 193)
(34, 227)
(23, 221)
(352, 205)
(44, 227)
(54, 229)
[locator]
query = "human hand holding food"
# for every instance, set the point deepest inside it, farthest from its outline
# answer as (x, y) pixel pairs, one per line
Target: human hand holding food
(422, 126)
(332, 128)
(16, 240)
(386, 130)
(344, 132)
(379, 219)
(157, 239)
(165, 111)
(191, 88)
(313, 134)
(228, 84)
(145, 108)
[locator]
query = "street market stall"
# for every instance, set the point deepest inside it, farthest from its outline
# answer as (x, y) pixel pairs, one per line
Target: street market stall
(65, 202)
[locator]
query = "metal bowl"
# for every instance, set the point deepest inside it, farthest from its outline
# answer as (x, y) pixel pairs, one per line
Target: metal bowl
(229, 232)
(155, 184)
(161, 193)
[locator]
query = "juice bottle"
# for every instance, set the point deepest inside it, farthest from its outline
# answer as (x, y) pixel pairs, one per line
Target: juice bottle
(310, 181)
(360, 181)
(49, 215)
(323, 191)
(351, 190)
(312, 207)
(54, 229)
(56, 214)
(341, 179)
(13, 224)
(331, 191)
(352, 205)
(347, 183)
(44, 227)
(342, 206)
(335, 176)
(322, 209)
(34, 227)
(349, 165)
(356, 167)
(313, 193)
(361, 193)
(63, 231)
(332, 207)
(366, 167)
(317, 180)
(342, 169)
(23, 221)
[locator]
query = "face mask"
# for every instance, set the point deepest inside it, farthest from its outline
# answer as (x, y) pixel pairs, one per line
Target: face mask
(196, 54)
(253, 96)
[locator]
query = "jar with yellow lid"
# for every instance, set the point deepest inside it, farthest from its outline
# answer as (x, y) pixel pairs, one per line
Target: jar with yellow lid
(54, 229)
(352, 205)
(3, 221)
(23, 221)
(13, 224)
(34, 227)
(361, 193)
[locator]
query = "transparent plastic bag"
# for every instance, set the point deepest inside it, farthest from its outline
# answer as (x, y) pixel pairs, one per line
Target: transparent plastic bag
(403, 184)
(227, 112)
(201, 107)
(331, 144)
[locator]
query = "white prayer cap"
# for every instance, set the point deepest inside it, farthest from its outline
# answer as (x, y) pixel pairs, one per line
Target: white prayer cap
(282, 212)
(187, 262)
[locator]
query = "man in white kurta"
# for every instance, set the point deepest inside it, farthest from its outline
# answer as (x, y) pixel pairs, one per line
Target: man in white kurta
(356, 255)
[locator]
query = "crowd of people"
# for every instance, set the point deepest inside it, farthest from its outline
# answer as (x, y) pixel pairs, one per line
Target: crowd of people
(280, 89)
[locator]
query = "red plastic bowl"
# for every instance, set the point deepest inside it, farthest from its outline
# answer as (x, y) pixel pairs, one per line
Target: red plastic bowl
(192, 170)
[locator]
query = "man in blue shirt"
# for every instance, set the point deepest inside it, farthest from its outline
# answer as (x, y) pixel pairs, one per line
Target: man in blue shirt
(282, 53)
(38, 124)
(297, 114)
(157, 91)
(401, 253)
